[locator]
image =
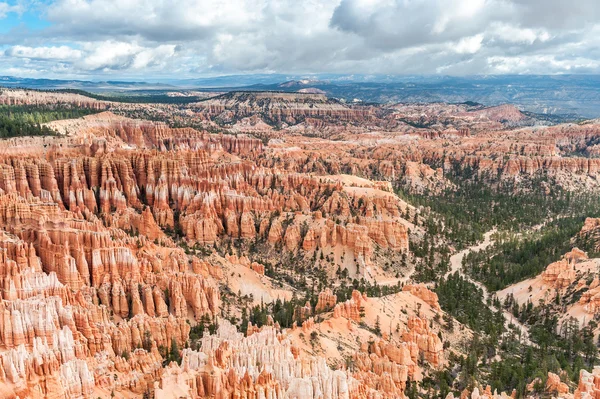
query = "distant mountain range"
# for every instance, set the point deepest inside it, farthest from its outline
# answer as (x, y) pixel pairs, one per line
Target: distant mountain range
(573, 95)
(92, 86)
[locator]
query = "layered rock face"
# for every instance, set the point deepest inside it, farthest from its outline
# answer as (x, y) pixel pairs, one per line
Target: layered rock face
(27, 97)
(290, 108)
(114, 129)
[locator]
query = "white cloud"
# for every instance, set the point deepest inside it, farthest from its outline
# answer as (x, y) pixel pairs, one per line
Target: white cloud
(456, 12)
(111, 55)
(469, 45)
(190, 37)
(513, 34)
(532, 64)
(44, 53)
(6, 8)
(153, 56)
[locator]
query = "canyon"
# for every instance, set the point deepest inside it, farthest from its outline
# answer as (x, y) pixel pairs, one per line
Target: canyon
(261, 245)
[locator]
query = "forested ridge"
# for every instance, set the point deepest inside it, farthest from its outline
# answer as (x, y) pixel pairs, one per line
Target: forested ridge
(463, 213)
(28, 120)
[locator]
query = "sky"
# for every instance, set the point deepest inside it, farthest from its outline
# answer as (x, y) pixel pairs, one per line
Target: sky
(177, 39)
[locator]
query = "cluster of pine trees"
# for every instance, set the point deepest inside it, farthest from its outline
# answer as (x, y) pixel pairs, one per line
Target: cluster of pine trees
(13, 128)
(465, 302)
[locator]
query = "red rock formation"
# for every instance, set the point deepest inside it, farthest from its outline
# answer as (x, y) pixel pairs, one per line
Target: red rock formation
(555, 386)
(427, 342)
(326, 302)
(63, 276)
(589, 384)
(351, 309)
(230, 364)
(561, 274)
(422, 292)
(95, 284)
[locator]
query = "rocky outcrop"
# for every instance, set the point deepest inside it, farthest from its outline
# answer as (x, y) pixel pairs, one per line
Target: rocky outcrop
(422, 292)
(427, 342)
(326, 302)
(351, 309)
(555, 386)
(559, 274)
(589, 384)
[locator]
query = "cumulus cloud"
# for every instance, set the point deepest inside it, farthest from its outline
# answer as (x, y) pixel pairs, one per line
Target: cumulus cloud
(393, 24)
(148, 38)
(112, 55)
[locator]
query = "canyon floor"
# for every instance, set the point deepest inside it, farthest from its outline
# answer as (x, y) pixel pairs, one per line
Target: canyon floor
(274, 245)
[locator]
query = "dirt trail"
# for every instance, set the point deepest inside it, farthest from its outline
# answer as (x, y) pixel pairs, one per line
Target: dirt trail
(456, 266)
(457, 258)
